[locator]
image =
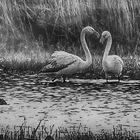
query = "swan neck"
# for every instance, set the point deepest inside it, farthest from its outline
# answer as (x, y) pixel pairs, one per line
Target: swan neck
(85, 47)
(108, 46)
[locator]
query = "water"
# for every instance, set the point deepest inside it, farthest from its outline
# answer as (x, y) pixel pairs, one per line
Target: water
(90, 102)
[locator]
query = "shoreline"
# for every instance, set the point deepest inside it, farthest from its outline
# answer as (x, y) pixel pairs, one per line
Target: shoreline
(15, 63)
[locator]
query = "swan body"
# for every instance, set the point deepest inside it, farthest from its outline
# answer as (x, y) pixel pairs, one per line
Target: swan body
(112, 64)
(65, 64)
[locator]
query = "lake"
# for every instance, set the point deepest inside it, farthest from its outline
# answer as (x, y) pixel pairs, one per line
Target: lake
(92, 103)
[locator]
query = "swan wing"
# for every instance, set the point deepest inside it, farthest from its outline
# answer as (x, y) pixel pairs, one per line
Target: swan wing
(117, 59)
(113, 64)
(114, 59)
(60, 60)
(121, 61)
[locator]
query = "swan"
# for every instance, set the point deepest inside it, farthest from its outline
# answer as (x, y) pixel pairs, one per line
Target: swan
(112, 64)
(65, 64)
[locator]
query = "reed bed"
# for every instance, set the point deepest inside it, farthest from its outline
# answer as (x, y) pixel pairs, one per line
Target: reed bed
(44, 132)
(32, 62)
(62, 21)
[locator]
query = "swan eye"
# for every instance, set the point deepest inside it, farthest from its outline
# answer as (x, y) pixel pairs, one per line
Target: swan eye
(90, 31)
(105, 36)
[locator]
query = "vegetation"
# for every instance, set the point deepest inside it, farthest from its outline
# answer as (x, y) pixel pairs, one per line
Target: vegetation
(43, 132)
(31, 30)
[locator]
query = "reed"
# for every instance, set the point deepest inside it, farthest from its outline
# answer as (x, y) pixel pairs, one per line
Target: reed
(43, 132)
(31, 30)
(60, 20)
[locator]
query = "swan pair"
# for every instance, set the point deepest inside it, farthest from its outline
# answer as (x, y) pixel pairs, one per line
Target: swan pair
(65, 64)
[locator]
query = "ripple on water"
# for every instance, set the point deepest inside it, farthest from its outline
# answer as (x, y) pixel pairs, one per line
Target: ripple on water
(90, 102)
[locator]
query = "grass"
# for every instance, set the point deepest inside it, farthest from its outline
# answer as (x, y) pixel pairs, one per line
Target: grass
(23, 58)
(31, 58)
(43, 132)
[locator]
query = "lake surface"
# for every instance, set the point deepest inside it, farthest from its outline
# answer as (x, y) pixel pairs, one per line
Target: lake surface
(93, 103)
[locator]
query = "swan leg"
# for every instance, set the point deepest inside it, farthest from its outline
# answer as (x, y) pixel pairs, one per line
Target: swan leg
(64, 78)
(107, 80)
(106, 77)
(118, 78)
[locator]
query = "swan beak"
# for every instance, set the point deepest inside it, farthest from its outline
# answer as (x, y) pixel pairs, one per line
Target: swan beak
(101, 40)
(97, 34)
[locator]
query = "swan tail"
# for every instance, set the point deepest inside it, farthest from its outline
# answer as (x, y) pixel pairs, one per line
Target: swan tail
(54, 67)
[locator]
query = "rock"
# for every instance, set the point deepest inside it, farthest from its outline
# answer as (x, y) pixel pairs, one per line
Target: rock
(2, 102)
(49, 138)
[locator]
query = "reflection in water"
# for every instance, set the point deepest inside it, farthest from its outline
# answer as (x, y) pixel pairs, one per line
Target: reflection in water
(90, 102)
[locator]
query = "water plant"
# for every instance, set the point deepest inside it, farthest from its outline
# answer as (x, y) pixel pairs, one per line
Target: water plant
(43, 132)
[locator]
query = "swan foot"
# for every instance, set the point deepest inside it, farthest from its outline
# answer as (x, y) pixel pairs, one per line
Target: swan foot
(107, 81)
(53, 79)
(63, 79)
(119, 78)
(106, 77)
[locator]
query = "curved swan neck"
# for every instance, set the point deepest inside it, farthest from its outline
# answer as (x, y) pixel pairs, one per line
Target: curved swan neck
(85, 47)
(108, 46)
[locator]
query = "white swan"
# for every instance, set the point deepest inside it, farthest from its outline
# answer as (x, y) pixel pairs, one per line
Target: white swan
(112, 64)
(65, 64)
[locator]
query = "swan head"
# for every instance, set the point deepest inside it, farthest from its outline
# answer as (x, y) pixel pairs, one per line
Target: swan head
(90, 30)
(105, 35)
